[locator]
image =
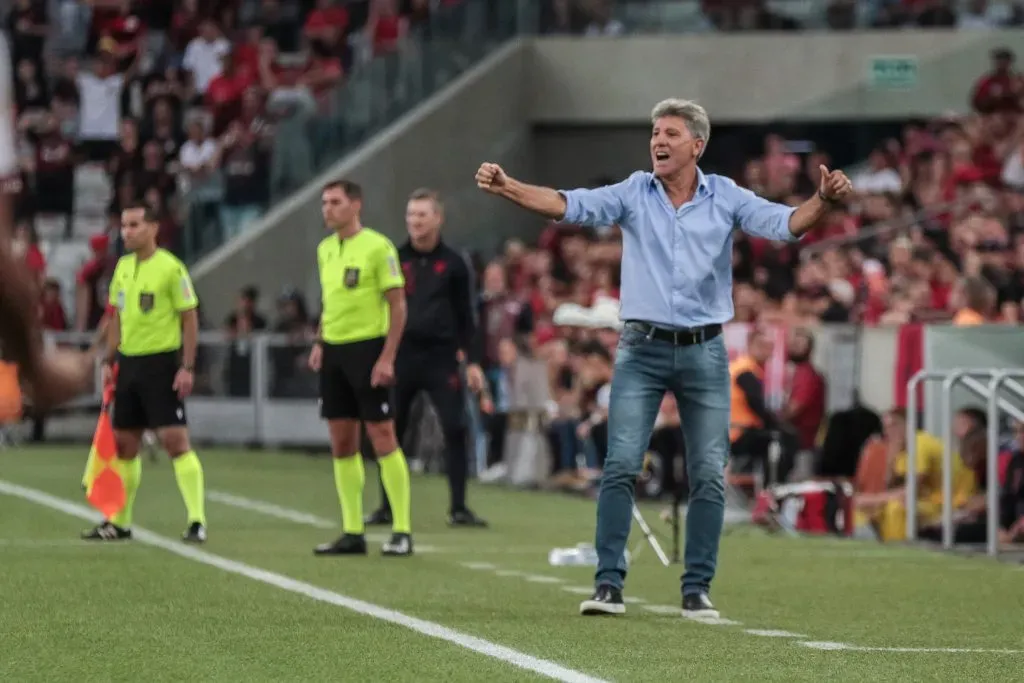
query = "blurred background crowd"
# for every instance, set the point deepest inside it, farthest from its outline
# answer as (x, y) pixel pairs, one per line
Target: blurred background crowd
(184, 105)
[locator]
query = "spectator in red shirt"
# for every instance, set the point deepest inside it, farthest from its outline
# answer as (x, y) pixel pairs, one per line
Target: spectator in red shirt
(805, 408)
(51, 311)
(93, 280)
(323, 72)
(1001, 88)
(224, 93)
(326, 24)
(25, 243)
(385, 26)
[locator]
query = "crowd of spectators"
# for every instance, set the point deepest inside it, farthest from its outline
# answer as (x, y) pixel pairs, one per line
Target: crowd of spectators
(615, 17)
(176, 103)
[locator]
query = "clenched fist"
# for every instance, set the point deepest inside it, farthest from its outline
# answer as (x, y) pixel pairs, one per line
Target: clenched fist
(834, 185)
(491, 178)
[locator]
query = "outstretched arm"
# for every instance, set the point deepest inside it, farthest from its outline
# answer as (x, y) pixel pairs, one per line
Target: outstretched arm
(596, 207)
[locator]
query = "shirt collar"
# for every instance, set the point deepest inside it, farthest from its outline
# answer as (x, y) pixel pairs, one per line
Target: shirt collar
(703, 189)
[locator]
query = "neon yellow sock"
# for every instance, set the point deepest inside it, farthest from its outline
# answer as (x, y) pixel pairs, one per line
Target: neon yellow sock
(189, 473)
(131, 475)
(349, 478)
(394, 471)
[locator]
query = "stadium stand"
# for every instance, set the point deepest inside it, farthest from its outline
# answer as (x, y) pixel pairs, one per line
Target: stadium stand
(214, 113)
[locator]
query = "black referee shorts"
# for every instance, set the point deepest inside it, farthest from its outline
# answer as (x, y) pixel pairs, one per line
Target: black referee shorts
(345, 391)
(144, 395)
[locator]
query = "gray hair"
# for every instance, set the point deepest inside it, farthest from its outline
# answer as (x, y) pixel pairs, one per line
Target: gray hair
(694, 115)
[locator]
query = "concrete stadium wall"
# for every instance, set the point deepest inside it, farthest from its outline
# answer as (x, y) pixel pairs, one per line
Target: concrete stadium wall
(753, 77)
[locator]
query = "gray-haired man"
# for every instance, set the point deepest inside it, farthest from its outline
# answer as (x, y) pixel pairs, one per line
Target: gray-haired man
(676, 291)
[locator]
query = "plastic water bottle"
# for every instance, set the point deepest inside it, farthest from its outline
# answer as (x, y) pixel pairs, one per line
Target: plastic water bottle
(583, 555)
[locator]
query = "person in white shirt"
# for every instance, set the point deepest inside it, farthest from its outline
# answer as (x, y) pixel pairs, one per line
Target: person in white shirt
(197, 157)
(99, 111)
(601, 21)
(204, 53)
(979, 14)
(1013, 169)
(879, 178)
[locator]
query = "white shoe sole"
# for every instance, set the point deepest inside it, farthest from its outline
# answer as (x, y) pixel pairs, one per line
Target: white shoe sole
(596, 607)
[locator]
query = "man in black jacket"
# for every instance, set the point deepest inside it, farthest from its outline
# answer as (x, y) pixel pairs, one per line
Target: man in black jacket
(440, 331)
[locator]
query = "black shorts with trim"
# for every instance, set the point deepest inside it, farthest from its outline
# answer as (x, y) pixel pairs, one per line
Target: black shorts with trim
(345, 391)
(144, 395)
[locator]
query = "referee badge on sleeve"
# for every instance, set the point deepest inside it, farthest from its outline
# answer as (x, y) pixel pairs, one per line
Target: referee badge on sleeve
(351, 277)
(393, 266)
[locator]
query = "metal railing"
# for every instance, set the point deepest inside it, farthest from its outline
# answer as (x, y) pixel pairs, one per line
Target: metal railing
(967, 378)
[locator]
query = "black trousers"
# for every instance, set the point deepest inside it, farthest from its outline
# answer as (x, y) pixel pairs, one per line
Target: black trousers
(752, 445)
(434, 371)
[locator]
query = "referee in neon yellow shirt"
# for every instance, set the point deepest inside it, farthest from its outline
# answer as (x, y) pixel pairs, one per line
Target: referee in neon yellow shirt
(361, 324)
(152, 338)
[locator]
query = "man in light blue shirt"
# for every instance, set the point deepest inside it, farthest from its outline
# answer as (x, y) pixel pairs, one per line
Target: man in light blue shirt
(676, 293)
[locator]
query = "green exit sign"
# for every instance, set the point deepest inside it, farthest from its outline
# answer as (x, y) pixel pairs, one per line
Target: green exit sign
(892, 72)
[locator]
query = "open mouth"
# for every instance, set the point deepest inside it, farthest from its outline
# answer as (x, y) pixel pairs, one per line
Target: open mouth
(661, 156)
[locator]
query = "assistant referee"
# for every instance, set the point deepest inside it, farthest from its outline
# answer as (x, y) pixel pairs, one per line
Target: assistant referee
(152, 337)
(361, 324)
(442, 328)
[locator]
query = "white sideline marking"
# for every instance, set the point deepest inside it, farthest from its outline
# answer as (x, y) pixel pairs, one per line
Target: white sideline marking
(296, 516)
(771, 633)
(271, 510)
(478, 565)
(826, 645)
(663, 609)
(428, 628)
(509, 572)
(50, 543)
(540, 578)
(630, 600)
(711, 621)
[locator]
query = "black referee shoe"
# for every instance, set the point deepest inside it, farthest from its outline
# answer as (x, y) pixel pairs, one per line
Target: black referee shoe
(196, 533)
(379, 517)
(465, 517)
(400, 545)
(107, 531)
(346, 544)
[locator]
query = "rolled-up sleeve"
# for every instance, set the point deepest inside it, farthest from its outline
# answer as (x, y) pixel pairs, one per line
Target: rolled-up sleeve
(597, 207)
(761, 218)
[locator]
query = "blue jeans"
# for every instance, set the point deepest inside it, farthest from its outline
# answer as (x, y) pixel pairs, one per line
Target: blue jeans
(698, 375)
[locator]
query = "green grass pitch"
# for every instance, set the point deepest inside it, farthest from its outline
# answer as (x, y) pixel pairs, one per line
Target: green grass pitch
(254, 604)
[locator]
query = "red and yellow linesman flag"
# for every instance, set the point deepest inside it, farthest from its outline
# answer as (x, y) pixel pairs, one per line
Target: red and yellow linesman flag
(103, 484)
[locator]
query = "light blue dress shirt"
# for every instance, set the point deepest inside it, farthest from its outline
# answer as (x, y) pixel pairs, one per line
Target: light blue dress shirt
(677, 263)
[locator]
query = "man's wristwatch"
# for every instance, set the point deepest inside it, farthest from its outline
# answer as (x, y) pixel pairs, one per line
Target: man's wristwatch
(188, 367)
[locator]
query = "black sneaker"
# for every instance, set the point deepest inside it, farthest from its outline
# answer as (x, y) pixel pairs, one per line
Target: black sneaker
(108, 531)
(196, 533)
(400, 545)
(379, 517)
(346, 544)
(606, 600)
(465, 517)
(698, 606)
